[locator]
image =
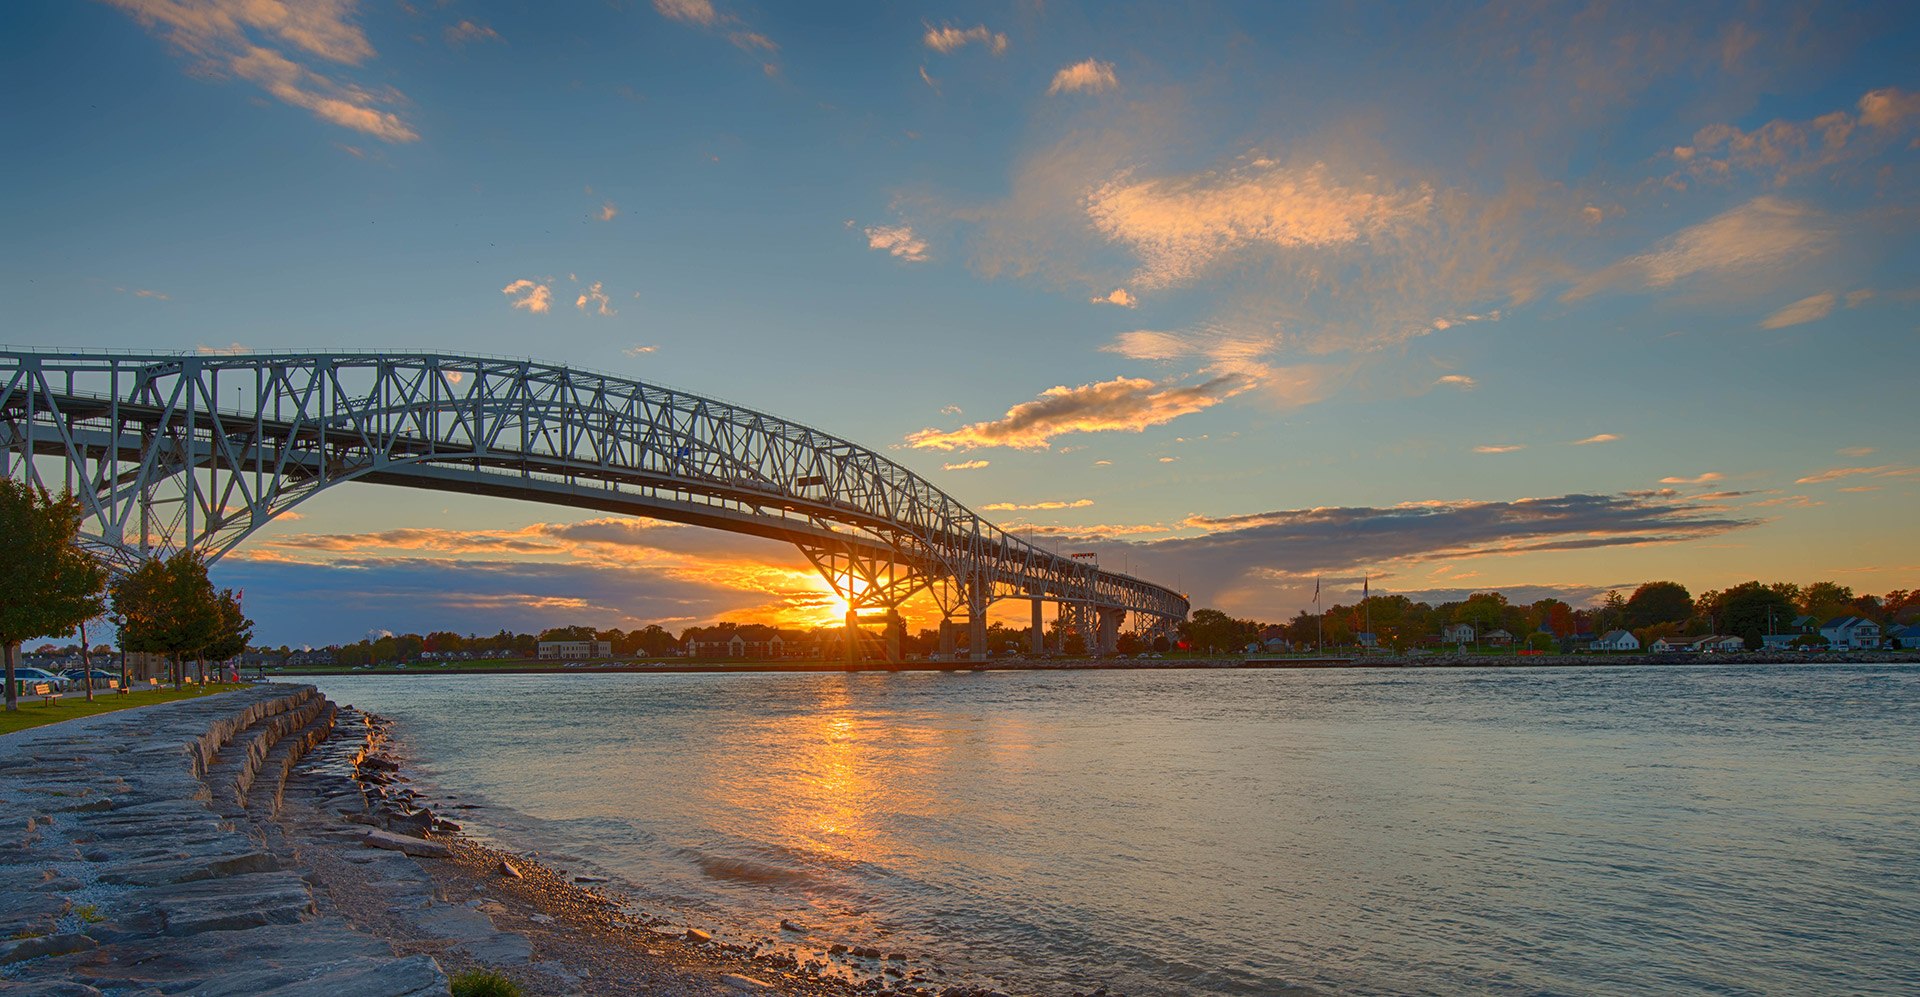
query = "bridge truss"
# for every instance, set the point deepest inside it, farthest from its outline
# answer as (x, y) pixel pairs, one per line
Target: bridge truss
(169, 451)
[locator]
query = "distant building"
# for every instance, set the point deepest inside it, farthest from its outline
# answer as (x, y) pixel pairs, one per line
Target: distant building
(1908, 636)
(1665, 645)
(1617, 640)
(1499, 637)
(754, 641)
(1851, 632)
(1367, 638)
(1457, 633)
(571, 649)
(1717, 643)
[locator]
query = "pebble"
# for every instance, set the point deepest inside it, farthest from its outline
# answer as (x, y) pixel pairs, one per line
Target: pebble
(509, 870)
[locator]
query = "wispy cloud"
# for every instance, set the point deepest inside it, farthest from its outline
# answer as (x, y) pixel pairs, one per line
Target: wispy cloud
(1124, 404)
(635, 351)
(1090, 76)
(897, 240)
(243, 39)
(1500, 448)
(1461, 381)
(595, 297)
(1019, 507)
(947, 38)
(1759, 236)
(1854, 451)
(1699, 479)
(1835, 474)
(468, 32)
(1810, 309)
(965, 465)
(527, 294)
(1787, 150)
(1596, 438)
(608, 211)
(698, 12)
(950, 410)
(230, 348)
(1118, 296)
(703, 14)
(1178, 226)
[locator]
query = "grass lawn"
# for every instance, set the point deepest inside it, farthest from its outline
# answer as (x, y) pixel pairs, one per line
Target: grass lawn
(34, 713)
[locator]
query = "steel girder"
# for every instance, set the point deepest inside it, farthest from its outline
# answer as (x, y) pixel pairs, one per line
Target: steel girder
(168, 451)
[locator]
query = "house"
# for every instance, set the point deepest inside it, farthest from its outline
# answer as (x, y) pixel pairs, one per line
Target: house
(1367, 638)
(1457, 633)
(1718, 643)
(754, 640)
(1665, 645)
(1617, 640)
(1851, 632)
(1908, 636)
(571, 649)
(1499, 637)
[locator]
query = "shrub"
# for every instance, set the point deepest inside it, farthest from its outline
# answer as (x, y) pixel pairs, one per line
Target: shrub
(483, 983)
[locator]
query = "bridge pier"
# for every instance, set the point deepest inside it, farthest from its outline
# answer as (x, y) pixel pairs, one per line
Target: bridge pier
(1110, 620)
(1038, 639)
(947, 642)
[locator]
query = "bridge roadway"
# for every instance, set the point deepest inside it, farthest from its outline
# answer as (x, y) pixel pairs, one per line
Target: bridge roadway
(159, 464)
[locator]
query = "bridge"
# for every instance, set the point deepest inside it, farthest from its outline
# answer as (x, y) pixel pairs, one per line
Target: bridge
(190, 451)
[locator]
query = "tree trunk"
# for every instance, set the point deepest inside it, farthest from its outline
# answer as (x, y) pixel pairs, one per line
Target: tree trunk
(86, 662)
(200, 665)
(13, 692)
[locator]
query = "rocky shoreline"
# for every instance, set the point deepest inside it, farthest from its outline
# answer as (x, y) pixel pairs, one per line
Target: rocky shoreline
(266, 842)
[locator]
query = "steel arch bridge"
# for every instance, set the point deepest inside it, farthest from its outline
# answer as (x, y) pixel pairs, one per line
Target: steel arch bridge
(172, 451)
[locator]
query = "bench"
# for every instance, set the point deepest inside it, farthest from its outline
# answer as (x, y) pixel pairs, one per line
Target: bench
(45, 691)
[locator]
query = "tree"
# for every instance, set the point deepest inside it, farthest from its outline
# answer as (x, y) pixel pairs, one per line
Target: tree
(1658, 602)
(1485, 610)
(232, 631)
(1752, 609)
(167, 607)
(51, 585)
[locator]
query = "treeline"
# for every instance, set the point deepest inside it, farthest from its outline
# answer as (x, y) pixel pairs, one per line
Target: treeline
(1650, 612)
(54, 587)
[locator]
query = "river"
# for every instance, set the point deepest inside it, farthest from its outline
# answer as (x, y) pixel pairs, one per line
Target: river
(1723, 830)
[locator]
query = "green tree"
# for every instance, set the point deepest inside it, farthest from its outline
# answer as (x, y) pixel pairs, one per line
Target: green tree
(233, 631)
(51, 585)
(1658, 602)
(167, 607)
(1749, 610)
(1485, 610)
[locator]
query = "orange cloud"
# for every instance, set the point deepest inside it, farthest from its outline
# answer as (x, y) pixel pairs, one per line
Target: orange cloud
(598, 298)
(1835, 474)
(1761, 235)
(1696, 480)
(1118, 296)
(947, 39)
(1461, 381)
(535, 298)
(1128, 404)
(1810, 309)
(1016, 507)
(965, 465)
(1596, 438)
(1178, 226)
(1090, 76)
(897, 240)
(467, 31)
(1505, 448)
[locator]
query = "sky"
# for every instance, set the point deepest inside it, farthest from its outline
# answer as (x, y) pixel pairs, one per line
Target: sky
(1545, 298)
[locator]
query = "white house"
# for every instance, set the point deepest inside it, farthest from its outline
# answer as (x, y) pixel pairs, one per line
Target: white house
(1666, 644)
(1457, 633)
(1720, 643)
(1617, 640)
(1851, 632)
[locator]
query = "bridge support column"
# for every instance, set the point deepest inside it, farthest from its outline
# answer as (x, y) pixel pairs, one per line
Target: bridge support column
(977, 635)
(946, 639)
(853, 638)
(896, 631)
(1110, 620)
(1037, 641)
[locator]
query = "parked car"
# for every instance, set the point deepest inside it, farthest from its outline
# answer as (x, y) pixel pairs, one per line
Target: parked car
(26, 678)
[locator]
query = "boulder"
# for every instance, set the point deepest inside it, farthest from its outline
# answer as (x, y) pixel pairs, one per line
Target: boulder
(421, 847)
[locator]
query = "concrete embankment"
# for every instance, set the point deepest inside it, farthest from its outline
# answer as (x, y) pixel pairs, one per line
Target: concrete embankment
(135, 858)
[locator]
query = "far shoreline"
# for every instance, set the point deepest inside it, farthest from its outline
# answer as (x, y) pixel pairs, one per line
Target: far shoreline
(1249, 663)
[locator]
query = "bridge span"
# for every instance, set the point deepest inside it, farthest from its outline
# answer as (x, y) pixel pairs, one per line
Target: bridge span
(177, 451)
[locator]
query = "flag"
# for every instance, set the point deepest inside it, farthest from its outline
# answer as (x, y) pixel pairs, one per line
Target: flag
(1363, 588)
(1316, 590)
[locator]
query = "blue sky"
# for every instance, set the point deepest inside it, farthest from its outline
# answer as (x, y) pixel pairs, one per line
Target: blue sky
(1468, 296)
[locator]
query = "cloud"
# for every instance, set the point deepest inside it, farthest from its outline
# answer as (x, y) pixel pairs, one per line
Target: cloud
(947, 38)
(1596, 438)
(950, 410)
(965, 465)
(1835, 474)
(699, 12)
(229, 349)
(1759, 236)
(1700, 479)
(1502, 448)
(1013, 507)
(1090, 76)
(242, 38)
(466, 32)
(1126, 404)
(1304, 541)
(928, 79)
(1889, 108)
(535, 298)
(597, 297)
(1854, 451)
(608, 211)
(1178, 226)
(1592, 215)
(634, 351)
(1857, 298)
(1118, 296)
(1461, 381)
(898, 240)
(141, 292)
(1811, 309)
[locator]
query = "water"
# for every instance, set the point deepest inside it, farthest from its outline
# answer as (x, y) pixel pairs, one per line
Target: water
(1723, 830)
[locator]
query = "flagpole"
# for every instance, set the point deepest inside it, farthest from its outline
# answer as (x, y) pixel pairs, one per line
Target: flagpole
(1319, 620)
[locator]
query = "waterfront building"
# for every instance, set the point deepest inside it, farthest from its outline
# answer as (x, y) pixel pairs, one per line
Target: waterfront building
(1457, 633)
(1851, 632)
(575, 649)
(1617, 640)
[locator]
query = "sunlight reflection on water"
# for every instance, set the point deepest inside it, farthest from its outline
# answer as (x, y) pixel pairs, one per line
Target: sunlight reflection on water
(1708, 830)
